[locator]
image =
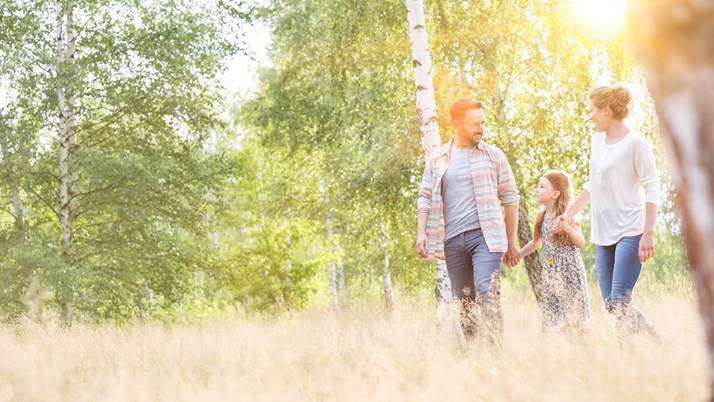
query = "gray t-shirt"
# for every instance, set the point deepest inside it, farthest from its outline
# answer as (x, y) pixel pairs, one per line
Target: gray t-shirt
(457, 188)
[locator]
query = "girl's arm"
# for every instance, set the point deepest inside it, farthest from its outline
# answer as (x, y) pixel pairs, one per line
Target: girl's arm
(530, 247)
(572, 229)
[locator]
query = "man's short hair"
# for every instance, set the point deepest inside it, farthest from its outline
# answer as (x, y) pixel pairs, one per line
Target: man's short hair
(459, 108)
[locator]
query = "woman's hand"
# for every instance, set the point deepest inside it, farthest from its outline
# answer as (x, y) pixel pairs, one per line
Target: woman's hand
(561, 224)
(647, 247)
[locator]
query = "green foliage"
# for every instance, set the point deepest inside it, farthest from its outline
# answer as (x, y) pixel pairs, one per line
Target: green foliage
(180, 212)
(146, 81)
(338, 101)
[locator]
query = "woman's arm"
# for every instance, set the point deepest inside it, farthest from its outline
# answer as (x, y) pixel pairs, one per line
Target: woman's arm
(581, 202)
(577, 206)
(647, 246)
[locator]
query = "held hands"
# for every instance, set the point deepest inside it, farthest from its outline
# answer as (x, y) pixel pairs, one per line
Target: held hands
(561, 224)
(647, 248)
(511, 257)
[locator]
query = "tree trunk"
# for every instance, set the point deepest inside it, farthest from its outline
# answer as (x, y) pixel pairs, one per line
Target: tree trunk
(33, 293)
(426, 110)
(330, 241)
(386, 277)
(341, 274)
(421, 59)
(673, 40)
(333, 275)
(34, 289)
(65, 51)
(534, 268)
(288, 262)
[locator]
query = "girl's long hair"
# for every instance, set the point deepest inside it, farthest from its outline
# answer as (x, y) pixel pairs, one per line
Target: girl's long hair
(560, 182)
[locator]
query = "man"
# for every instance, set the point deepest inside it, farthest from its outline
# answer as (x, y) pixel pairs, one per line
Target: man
(465, 183)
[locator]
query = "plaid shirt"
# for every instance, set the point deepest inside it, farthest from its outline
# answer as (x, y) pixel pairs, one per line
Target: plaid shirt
(493, 186)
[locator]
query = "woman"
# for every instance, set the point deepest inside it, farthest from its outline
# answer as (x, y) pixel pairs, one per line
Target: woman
(623, 195)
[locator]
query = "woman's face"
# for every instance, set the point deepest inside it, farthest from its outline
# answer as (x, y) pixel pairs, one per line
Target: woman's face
(600, 117)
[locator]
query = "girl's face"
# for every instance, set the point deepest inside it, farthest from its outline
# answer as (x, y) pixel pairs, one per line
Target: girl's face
(600, 117)
(546, 194)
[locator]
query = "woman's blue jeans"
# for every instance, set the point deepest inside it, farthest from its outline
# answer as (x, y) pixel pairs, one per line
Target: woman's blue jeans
(618, 268)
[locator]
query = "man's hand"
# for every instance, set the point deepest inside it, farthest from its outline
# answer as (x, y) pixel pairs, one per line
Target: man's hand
(647, 248)
(422, 242)
(511, 257)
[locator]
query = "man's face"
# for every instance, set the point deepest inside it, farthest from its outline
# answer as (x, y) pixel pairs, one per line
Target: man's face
(470, 130)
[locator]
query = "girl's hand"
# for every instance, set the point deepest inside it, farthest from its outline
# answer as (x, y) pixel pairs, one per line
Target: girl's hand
(561, 224)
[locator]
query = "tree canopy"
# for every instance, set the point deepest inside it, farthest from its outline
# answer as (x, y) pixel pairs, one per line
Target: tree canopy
(300, 193)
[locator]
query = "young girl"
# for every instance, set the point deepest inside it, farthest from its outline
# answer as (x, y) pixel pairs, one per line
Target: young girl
(563, 285)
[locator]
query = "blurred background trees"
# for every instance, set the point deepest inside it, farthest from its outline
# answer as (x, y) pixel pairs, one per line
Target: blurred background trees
(303, 193)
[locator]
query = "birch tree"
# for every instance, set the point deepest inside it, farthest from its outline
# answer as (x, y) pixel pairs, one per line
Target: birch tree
(426, 110)
(20, 96)
(128, 94)
(18, 270)
(673, 40)
(65, 80)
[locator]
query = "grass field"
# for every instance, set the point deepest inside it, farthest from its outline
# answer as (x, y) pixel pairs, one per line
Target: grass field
(358, 354)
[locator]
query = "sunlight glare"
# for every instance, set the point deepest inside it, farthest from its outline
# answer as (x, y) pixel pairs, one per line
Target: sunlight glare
(603, 13)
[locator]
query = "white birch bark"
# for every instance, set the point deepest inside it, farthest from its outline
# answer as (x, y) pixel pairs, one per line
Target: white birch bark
(64, 52)
(674, 42)
(426, 109)
(421, 59)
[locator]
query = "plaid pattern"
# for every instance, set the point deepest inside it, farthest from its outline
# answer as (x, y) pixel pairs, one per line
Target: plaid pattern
(493, 184)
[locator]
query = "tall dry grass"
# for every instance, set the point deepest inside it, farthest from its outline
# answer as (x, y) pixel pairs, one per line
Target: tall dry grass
(359, 354)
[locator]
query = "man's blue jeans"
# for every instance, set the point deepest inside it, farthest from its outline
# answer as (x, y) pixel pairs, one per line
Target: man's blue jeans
(474, 273)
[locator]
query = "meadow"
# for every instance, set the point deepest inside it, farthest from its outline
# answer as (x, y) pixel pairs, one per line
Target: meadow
(359, 353)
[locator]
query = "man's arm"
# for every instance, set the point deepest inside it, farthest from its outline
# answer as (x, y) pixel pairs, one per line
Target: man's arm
(423, 210)
(508, 195)
(422, 241)
(511, 257)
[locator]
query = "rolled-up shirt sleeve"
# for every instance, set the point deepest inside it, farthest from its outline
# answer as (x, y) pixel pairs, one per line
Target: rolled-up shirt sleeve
(507, 190)
(425, 190)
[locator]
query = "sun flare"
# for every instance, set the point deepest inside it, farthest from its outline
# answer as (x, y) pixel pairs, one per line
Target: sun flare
(600, 12)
